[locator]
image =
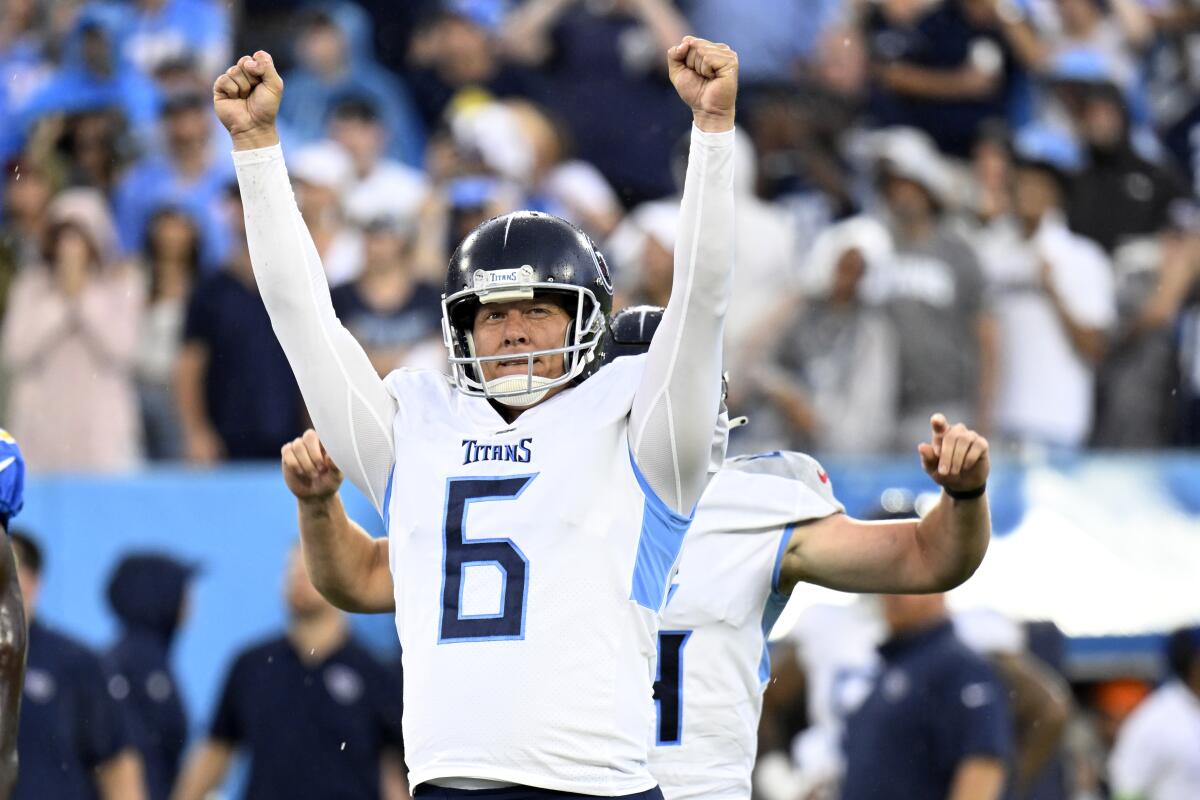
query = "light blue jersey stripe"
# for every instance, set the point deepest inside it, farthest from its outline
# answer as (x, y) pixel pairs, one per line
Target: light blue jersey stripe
(662, 535)
(774, 607)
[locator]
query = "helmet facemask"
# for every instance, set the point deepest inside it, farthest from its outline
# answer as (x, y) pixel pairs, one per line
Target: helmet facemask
(580, 348)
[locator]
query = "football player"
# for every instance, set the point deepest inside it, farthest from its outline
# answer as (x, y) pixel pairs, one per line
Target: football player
(536, 501)
(13, 633)
(764, 524)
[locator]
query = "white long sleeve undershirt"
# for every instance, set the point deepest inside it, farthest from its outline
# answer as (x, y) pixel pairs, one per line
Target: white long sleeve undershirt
(674, 410)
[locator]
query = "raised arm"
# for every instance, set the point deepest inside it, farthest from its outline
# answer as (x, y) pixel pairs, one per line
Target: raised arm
(346, 399)
(934, 554)
(346, 565)
(676, 405)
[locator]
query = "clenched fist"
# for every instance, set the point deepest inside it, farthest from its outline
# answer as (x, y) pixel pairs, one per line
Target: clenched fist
(956, 457)
(308, 470)
(246, 98)
(705, 76)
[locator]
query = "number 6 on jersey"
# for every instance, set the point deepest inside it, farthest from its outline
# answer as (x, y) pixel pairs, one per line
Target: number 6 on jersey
(462, 554)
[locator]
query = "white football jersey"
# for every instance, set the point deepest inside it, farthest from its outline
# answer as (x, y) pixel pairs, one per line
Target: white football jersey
(530, 563)
(713, 664)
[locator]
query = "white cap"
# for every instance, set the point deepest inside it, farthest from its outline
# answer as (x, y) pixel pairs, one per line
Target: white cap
(864, 234)
(323, 164)
(910, 154)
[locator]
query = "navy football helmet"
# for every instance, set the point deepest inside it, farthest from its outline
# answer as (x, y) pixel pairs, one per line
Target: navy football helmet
(516, 257)
(631, 330)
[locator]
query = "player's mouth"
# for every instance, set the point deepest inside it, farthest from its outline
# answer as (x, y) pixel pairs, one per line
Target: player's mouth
(513, 366)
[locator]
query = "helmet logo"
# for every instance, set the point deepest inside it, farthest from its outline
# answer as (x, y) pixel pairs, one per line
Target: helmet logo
(602, 269)
(488, 279)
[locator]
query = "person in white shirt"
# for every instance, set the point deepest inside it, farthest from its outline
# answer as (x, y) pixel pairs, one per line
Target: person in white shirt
(535, 500)
(1053, 298)
(379, 186)
(1157, 754)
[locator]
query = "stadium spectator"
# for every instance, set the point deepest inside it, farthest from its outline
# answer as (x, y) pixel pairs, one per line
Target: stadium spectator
(92, 76)
(456, 58)
(233, 386)
(74, 741)
(170, 261)
(642, 249)
(1157, 754)
(322, 173)
(767, 250)
(335, 58)
(69, 341)
(454, 206)
(148, 594)
(85, 149)
(387, 308)
(991, 171)
(936, 722)
(317, 715)
(834, 375)
(28, 190)
(597, 59)
(557, 182)
(1126, 203)
(162, 31)
(190, 173)
(934, 291)
(831, 669)
(799, 137)
(22, 59)
(380, 186)
(778, 38)
(1117, 31)
(1053, 298)
(941, 67)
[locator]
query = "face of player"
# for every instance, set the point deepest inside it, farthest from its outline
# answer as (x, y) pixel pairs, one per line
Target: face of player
(521, 327)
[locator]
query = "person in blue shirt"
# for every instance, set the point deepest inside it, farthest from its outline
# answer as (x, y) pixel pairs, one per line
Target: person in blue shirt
(936, 723)
(316, 713)
(93, 76)
(336, 58)
(164, 30)
(12, 613)
(235, 392)
(74, 740)
(148, 594)
(189, 174)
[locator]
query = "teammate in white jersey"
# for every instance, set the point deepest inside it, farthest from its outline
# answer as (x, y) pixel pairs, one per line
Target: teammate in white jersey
(535, 503)
(764, 524)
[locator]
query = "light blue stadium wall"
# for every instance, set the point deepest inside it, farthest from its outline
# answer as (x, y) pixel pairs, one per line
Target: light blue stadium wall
(238, 523)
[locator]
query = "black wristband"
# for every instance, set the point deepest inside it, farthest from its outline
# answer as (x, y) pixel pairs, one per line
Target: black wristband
(970, 494)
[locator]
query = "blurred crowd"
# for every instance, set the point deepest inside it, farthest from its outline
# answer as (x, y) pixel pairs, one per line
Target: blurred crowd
(981, 207)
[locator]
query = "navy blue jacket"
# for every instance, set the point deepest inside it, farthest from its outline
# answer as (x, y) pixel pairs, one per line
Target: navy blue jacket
(934, 704)
(310, 730)
(146, 593)
(70, 724)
